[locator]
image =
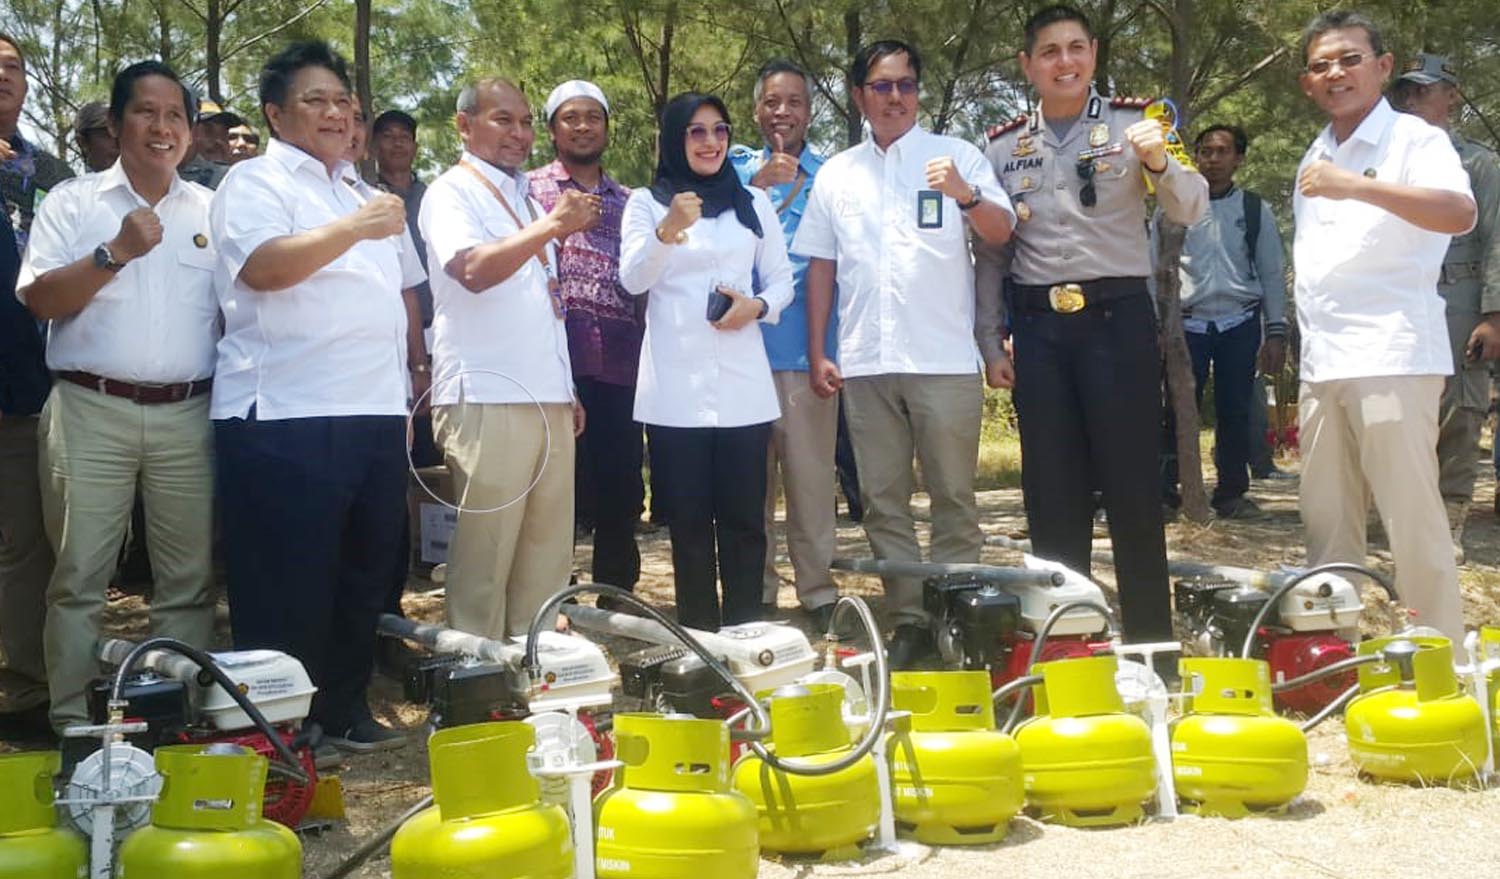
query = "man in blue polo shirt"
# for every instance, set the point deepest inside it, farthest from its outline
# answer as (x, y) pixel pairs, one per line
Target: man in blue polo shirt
(802, 440)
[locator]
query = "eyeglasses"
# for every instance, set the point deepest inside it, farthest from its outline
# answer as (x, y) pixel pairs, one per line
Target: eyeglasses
(1087, 196)
(700, 133)
(884, 87)
(1347, 61)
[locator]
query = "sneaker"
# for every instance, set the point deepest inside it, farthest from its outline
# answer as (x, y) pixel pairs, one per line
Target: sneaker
(1275, 473)
(1239, 508)
(327, 756)
(368, 736)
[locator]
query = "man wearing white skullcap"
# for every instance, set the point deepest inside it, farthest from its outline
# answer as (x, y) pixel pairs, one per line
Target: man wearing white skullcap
(604, 325)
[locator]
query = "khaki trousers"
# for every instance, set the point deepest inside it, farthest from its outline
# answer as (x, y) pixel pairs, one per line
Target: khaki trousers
(1378, 436)
(95, 451)
(936, 418)
(25, 568)
(503, 565)
(801, 450)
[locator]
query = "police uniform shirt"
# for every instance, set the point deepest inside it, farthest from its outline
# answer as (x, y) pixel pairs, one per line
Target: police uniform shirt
(332, 344)
(509, 329)
(1471, 268)
(905, 282)
(156, 320)
(1057, 239)
(1366, 280)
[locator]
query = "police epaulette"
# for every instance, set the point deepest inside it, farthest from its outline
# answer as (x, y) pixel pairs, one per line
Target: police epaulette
(995, 131)
(1126, 101)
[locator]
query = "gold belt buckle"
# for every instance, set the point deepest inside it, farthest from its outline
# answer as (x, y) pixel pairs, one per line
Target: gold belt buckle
(1066, 298)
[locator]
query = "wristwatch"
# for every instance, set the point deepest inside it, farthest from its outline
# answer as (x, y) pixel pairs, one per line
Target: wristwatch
(765, 308)
(104, 260)
(973, 201)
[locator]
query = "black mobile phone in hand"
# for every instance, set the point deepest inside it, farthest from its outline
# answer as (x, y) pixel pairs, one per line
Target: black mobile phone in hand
(718, 304)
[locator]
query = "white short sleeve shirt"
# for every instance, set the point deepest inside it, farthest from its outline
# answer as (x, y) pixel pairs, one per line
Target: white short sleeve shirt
(331, 345)
(1366, 280)
(504, 344)
(905, 283)
(156, 320)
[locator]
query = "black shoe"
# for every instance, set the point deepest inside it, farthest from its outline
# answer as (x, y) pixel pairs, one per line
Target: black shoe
(368, 736)
(29, 726)
(1165, 666)
(911, 647)
(1239, 508)
(615, 604)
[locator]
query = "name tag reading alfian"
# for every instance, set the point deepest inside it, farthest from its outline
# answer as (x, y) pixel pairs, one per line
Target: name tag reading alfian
(929, 209)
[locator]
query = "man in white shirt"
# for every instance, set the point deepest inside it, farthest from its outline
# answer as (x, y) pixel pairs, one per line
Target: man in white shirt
(310, 403)
(120, 261)
(887, 220)
(500, 354)
(1379, 194)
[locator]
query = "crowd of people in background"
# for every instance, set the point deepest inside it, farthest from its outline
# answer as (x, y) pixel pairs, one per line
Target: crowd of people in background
(207, 329)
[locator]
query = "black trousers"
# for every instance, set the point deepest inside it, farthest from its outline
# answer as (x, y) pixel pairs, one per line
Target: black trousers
(313, 512)
(1088, 398)
(714, 482)
(608, 471)
(1231, 355)
(846, 469)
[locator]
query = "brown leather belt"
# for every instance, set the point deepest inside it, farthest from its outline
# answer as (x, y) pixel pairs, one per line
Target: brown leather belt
(1074, 297)
(147, 395)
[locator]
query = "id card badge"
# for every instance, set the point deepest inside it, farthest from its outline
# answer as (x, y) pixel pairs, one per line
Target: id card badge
(929, 209)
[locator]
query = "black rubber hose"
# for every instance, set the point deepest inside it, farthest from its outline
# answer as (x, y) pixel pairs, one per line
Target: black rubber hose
(1339, 667)
(377, 842)
(1284, 588)
(206, 663)
(1012, 686)
(1328, 710)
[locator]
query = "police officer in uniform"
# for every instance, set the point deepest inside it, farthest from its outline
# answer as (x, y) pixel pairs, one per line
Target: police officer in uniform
(1469, 285)
(1082, 325)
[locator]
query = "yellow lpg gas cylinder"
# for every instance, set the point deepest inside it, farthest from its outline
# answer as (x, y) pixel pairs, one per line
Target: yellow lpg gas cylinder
(957, 779)
(1087, 763)
(1411, 722)
(810, 814)
(32, 846)
(1231, 753)
(671, 813)
(207, 822)
(488, 821)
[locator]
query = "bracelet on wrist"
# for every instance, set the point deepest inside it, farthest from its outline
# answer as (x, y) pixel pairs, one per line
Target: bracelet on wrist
(678, 238)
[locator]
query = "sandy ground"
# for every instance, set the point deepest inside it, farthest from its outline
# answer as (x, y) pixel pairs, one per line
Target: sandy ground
(1341, 827)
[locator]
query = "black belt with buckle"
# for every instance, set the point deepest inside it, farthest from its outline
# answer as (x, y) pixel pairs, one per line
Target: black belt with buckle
(1073, 297)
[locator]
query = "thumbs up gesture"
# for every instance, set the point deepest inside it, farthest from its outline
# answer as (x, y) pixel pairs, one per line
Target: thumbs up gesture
(780, 169)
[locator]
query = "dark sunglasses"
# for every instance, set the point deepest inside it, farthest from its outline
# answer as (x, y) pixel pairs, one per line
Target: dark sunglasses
(1347, 61)
(884, 87)
(1087, 196)
(700, 133)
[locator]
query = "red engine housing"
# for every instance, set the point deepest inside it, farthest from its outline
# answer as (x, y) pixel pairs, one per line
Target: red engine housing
(1294, 654)
(1018, 655)
(286, 800)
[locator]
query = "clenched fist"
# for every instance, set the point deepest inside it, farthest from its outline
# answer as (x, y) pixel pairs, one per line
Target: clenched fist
(684, 211)
(1327, 180)
(576, 211)
(943, 176)
(382, 216)
(1149, 143)
(139, 232)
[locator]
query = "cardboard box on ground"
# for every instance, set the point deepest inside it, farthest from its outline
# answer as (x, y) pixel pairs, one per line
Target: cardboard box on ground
(432, 523)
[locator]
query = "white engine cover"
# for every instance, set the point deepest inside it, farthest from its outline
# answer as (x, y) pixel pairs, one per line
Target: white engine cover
(574, 670)
(276, 683)
(762, 655)
(1038, 602)
(1306, 609)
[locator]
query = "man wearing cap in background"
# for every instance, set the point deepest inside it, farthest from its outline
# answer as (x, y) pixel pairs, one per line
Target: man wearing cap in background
(244, 143)
(96, 143)
(1469, 285)
(208, 155)
(604, 325)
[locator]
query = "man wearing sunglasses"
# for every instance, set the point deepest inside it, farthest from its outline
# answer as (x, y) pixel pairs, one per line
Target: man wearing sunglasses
(890, 220)
(1087, 370)
(1470, 287)
(1379, 196)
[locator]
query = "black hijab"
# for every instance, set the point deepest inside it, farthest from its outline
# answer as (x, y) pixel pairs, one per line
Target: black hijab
(720, 192)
